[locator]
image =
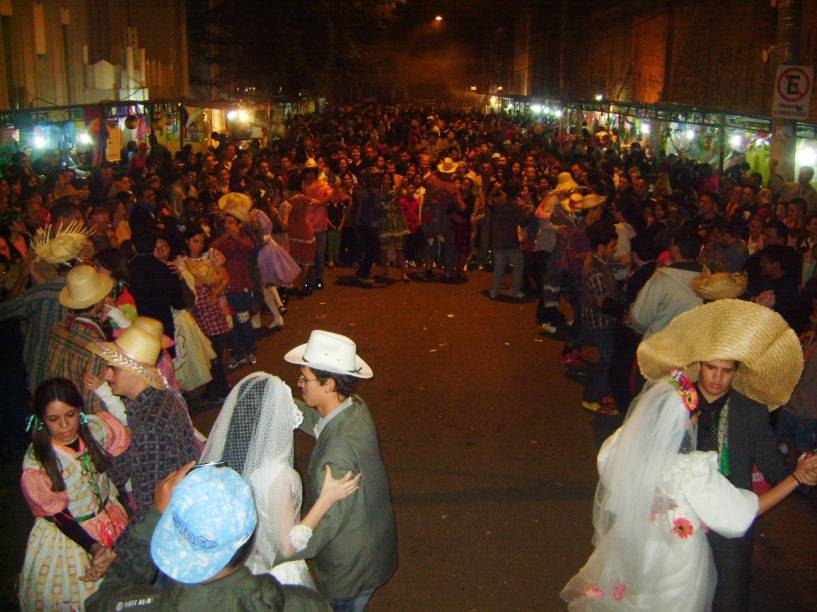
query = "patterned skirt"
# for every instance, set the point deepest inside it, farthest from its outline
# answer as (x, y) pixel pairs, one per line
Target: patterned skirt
(53, 562)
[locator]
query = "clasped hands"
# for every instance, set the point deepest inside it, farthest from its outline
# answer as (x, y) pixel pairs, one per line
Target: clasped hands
(806, 470)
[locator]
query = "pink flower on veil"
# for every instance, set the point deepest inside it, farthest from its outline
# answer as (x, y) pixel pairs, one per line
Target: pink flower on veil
(592, 591)
(619, 591)
(682, 528)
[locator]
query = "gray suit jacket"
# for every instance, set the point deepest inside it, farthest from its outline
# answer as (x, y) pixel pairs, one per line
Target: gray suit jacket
(355, 544)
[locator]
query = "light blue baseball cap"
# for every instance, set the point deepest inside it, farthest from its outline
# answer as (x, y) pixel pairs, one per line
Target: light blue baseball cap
(210, 516)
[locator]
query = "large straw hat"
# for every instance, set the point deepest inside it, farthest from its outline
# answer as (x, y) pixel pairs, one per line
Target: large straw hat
(447, 166)
(155, 328)
(591, 200)
(63, 244)
(720, 285)
(235, 198)
(766, 348)
(330, 352)
(565, 182)
(238, 211)
(84, 287)
(136, 351)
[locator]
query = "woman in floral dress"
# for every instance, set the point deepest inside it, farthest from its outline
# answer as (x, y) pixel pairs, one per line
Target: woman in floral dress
(77, 516)
(392, 228)
(656, 499)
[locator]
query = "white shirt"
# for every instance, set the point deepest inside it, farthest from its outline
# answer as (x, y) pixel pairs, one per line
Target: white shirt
(324, 421)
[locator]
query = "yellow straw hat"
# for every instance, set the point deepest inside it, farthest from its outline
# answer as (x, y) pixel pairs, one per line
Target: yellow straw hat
(84, 287)
(766, 348)
(155, 328)
(447, 166)
(720, 285)
(136, 351)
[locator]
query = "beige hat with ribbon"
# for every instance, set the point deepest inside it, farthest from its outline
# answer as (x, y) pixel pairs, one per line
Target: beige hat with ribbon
(84, 287)
(330, 352)
(565, 182)
(235, 198)
(767, 350)
(137, 351)
(720, 285)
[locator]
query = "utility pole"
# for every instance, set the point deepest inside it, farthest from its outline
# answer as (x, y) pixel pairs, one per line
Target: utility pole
(784, 131)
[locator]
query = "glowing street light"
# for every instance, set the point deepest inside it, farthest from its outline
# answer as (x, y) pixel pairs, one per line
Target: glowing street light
(438, 18)
(473, 87)
(499, 88)
(599, 97)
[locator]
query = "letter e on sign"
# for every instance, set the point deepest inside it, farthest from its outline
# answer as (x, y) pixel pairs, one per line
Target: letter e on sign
(793, 87)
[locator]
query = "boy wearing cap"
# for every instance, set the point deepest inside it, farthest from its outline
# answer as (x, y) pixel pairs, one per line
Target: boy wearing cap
(355, 544)
(199, 534)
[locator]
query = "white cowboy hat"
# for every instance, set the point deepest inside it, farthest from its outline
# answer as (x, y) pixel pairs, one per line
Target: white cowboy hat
(137, 351)
(447, 166)
(84, 287)
(330, 352)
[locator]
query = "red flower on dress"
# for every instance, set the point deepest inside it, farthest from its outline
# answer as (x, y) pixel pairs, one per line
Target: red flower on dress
(619, 591)
(682, 528)
(592, 591)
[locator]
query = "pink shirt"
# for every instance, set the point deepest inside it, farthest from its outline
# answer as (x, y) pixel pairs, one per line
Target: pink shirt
(316, 213)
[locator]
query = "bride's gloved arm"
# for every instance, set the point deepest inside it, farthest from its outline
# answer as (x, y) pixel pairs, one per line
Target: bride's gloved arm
(333, 489)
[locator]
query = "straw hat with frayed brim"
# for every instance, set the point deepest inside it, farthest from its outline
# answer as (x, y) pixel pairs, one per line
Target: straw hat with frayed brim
(235, 198)
(238, 211)
(591, 200)
(136, 351)
(720, 285)
(330, 352)
(84, 287)
(765, 347)
(447, 166)
(565, 182)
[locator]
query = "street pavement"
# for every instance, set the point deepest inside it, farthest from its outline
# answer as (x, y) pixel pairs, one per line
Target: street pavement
(490, 457)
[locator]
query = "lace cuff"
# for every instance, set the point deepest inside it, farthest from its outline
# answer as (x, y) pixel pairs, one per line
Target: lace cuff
(299, 537)
(298, 417)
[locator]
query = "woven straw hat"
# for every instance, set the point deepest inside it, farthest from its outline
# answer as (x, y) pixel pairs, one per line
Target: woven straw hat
(238, 211)
(565, 182)
(758, 338)
(447, 166)
(235, 198)
(63, 244)
(136, 351)
(84, 287)
(720, 285)
(155, 328)
(591, 200)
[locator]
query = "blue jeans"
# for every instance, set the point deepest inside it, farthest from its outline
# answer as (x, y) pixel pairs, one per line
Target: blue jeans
(501, 259)
(242, 337)
(600, 379)
(358, 603)
(316, 274)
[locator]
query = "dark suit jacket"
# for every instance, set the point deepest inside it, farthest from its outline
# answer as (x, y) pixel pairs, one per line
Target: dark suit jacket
(751, 441)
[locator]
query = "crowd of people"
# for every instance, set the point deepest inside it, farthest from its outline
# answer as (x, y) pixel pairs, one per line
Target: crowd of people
(139, 285)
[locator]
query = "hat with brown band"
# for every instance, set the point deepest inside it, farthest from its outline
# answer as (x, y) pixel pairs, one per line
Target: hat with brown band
(767, 350)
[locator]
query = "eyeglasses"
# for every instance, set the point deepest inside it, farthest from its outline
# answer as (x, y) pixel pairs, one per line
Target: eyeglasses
(302, 380)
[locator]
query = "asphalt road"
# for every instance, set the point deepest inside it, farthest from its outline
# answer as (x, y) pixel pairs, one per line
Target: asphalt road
(491, 459)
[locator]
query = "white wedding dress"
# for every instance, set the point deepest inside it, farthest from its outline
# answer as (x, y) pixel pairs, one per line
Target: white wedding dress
(697, 497)
(254, 435)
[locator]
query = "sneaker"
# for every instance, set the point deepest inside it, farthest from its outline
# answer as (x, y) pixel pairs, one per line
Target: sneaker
(251, 360)
(235, 363)
(597, 408)
(549, 328)
(567, 359)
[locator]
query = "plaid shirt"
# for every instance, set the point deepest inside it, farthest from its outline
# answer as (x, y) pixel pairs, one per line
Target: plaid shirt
(40, 309)
(161, 441)
(597, 281)
(69, 357)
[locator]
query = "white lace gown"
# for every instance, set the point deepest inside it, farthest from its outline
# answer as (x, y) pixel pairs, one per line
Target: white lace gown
(701, 498)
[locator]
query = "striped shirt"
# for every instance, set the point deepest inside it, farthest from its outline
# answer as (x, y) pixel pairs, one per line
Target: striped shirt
(40, 309)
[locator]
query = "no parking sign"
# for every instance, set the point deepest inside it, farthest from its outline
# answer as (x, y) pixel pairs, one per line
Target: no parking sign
(792, 92)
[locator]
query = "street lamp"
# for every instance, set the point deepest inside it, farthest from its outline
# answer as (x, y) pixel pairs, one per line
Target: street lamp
(599, 97)
(438, 18)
